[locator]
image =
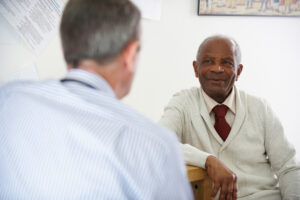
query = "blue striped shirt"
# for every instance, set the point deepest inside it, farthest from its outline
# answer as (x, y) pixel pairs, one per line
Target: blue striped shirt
(69, 140)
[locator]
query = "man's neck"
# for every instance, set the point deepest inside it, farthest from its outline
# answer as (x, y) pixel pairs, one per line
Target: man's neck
(211, 103)
(108, 71)
(220, 99)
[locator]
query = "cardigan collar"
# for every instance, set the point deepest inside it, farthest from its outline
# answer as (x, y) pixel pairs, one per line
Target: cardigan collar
(238, 121)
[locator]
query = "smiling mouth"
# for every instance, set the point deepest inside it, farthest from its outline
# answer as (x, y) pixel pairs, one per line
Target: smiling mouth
(216, 81)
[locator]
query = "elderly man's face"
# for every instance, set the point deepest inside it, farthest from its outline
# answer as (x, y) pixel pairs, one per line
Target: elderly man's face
(217, 69)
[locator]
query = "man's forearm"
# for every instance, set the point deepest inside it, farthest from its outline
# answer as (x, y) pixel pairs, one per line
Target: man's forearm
(194, 156)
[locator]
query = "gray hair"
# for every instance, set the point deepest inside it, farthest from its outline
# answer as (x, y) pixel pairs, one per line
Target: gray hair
(98, 29)
(237, 49)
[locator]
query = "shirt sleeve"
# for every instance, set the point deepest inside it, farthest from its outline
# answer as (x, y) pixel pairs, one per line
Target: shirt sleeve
(281, 155)
(176, 184)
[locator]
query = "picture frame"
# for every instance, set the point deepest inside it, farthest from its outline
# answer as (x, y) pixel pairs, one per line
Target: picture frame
(249, 7)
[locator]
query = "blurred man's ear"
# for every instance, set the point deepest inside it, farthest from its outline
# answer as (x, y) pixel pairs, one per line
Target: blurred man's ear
(239, 71)
(130, 54)
(195, 69)
(69, 66)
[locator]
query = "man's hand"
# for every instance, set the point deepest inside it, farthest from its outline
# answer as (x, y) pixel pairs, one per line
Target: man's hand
(223, 178)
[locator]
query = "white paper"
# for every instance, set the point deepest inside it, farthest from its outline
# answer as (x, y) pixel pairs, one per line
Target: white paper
(151, 9)
(27, 73)
(36, 21)
(8, 35)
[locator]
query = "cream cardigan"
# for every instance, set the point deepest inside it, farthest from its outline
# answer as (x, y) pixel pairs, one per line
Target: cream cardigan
(256, 149)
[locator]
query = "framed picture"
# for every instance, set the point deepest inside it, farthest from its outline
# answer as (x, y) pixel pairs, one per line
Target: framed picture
(249, 7)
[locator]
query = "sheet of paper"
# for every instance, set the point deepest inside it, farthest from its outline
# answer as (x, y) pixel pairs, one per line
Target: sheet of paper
(8, 35)
(151, 9)
(27, 73)
(36, 21)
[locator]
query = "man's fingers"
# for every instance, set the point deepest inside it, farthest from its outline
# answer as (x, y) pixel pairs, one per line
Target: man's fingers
(215, 190)
(224, 190)
(229, 191)
(224, 179)
(235, 185)
(227, 188)
(234, 196)
(235, 189)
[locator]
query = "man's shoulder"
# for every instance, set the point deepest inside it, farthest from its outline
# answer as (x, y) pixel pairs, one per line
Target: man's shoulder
(252, 101)
(186, 97)
(25, 86)
(29, 90)
(250, 97)
(16, 88)
(190, 93)
(13, 86)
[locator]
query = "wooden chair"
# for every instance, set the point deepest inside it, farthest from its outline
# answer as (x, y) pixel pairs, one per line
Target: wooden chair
(201, 183)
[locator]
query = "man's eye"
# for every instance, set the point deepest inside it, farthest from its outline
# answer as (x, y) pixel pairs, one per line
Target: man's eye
(228, 63)
(207, 62)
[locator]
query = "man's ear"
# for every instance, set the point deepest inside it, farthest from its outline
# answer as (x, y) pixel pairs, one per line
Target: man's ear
(195, 69)
(69, 66)
(239, 71)
(129, 55)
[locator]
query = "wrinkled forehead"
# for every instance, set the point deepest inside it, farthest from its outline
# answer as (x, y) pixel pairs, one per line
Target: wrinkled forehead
(220, 47)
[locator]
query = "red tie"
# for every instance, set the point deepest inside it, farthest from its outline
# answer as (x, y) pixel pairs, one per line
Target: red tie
(221, 126)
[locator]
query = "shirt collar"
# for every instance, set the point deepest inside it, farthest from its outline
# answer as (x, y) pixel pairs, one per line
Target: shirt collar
(211, 103)
(92, 79)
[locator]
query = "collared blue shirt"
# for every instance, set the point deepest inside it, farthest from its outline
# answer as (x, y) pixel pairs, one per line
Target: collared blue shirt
(65, 140)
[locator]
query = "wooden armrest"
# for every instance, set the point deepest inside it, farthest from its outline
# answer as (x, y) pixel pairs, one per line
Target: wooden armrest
(200, 182)
(196, 173)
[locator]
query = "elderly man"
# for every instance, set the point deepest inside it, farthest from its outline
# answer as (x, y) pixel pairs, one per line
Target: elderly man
(233, 135)
(73, 138)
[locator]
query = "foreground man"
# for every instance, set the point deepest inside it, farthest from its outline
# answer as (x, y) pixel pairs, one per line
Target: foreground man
(235, 136)
(73, 138)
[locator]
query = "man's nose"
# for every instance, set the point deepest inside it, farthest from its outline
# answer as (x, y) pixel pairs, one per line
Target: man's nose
(217, 68)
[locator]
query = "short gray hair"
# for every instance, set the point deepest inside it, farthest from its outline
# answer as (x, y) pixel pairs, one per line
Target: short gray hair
(98, 29)
(238, 53)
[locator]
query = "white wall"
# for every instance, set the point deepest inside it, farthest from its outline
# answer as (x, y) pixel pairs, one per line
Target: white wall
(270, 54)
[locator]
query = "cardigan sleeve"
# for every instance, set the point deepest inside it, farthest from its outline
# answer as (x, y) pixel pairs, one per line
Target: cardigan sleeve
(174, 118)
(281, 155)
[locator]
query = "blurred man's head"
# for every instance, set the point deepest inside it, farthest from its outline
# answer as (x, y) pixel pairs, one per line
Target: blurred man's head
(218, 66)
(97, 35)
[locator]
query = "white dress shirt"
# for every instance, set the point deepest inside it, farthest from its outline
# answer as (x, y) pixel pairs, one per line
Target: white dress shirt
(75, 140)
(229, 102)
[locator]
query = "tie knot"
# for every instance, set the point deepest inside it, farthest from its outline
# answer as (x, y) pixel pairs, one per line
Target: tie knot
(220, 110)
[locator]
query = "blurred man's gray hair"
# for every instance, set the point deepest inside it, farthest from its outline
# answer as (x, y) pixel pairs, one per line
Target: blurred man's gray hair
(98, 29)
